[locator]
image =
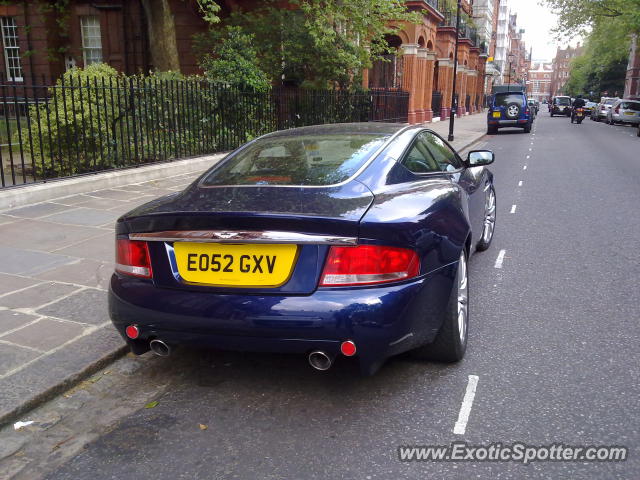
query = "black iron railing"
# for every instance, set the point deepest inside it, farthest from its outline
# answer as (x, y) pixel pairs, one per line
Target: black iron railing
(436, 103)
(82, 125)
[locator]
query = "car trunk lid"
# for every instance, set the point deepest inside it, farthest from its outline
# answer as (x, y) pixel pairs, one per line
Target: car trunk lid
(179, 226)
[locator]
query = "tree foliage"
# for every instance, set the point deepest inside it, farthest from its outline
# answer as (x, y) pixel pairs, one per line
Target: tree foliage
(602, 67)
(576, 16)
(320, 43)
(232, 59)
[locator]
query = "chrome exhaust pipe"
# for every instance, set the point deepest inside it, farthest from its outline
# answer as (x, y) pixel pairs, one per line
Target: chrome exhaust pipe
(320, 360)
(159, 348)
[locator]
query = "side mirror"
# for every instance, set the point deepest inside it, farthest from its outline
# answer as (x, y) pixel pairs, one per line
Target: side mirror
(478, 158)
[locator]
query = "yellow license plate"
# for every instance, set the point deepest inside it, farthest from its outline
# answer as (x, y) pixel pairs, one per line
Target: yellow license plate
(235, 265)
(629, 113)
(496, 114)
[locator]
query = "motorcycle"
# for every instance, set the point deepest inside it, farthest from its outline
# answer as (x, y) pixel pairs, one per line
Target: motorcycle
(578, 115)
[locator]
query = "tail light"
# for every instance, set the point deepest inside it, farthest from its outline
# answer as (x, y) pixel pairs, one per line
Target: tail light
(368, 264)
(132, 258)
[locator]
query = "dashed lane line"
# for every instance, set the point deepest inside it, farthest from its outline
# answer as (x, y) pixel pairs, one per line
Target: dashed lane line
(500, 259)
(467, 402)
(513, 209)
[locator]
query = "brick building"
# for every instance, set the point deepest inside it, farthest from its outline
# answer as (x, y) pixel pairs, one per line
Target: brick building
(424, 66)
(632, 80)
(114, 32)
(539, 83)
(562, 67)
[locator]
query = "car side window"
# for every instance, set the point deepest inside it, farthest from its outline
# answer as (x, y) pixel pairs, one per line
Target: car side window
(418, 159)
(444, 156)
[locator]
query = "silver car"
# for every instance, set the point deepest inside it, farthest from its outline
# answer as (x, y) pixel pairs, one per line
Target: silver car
(603, 108)
(624, 111)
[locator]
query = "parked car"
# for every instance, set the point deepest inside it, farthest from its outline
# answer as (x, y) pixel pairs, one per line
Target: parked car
(624, 111)
(349, 239)
(560, 105)
(603, 107)
(588, 107)
(509, 109)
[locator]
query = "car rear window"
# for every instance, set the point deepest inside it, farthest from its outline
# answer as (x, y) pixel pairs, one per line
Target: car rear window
(310, 160)
(563, 101)
(611, 101)
(635, 106)
(504, 99)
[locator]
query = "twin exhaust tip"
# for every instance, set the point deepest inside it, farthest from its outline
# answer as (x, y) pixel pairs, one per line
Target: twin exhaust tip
(317, 359)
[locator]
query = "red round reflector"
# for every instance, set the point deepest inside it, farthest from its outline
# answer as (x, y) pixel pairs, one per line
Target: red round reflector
(348, 348)
(132, 332)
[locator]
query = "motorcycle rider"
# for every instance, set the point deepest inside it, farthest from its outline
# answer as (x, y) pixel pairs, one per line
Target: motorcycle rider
(577, 103)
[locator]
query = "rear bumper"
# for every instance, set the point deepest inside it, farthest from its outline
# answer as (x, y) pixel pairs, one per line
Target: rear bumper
(509, 123)
(627, 119)
(382, 321)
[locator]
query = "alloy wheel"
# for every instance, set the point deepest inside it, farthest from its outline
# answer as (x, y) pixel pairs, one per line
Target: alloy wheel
(489, 216)
(463, 297)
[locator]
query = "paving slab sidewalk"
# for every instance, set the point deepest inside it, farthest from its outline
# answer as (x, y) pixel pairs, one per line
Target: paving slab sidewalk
(56, 258)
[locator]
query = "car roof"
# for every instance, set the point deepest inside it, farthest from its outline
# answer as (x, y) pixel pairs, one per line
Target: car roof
(373, 128)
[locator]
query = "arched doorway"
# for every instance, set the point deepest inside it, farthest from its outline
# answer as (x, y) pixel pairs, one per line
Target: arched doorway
(387, 72)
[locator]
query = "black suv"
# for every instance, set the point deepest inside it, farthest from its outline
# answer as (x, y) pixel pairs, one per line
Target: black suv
(509, 109)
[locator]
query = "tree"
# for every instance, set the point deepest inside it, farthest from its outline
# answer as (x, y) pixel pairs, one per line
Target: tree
(602, 67)
(576, 16)
(162, 35)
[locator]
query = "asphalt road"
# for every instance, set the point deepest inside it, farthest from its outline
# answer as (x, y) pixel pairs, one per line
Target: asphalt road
(554, 344)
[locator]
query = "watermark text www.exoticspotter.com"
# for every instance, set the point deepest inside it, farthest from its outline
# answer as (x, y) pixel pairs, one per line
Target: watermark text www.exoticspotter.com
(515, 452)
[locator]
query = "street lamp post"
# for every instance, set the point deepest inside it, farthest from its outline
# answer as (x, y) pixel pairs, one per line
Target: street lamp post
(511, 56)
(454, 104)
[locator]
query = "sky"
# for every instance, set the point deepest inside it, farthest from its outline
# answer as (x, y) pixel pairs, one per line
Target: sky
(537, 21)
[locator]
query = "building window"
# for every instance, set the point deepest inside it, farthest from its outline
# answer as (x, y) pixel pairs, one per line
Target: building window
(11, 49)
(91, 40)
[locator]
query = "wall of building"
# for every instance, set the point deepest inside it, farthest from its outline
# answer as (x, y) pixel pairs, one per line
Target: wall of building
(562, 67)
(632, 80)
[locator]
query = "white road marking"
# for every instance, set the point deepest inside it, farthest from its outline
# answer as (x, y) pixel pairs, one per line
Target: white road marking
(529, 149)
(500, 259)
(513, 208)
(467, 402)
(520, 183)
(528, 157)
(524, 168)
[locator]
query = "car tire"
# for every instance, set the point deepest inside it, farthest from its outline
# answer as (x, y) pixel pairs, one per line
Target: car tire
(513, 110)
(492, 130)
(527, 129)
(552, 114)
(639, 130)
(450, 343)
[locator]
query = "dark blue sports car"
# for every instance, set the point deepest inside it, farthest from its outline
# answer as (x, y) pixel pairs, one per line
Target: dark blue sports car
(349, 239)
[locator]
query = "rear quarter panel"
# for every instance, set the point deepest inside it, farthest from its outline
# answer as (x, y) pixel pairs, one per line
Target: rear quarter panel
(430, 216)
